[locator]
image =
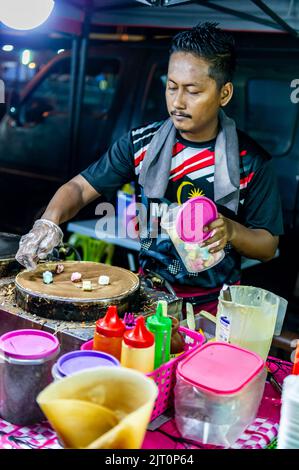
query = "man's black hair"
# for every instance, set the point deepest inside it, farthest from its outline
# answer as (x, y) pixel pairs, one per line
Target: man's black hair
(211, 43)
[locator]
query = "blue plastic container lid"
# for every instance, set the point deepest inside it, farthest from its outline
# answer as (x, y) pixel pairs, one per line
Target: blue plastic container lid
(76, 361)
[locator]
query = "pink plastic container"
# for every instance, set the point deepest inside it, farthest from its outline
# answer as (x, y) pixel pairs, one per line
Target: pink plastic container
(165, 375)
(184, 225)
(193, 215)
(87, 346)
(218, 392)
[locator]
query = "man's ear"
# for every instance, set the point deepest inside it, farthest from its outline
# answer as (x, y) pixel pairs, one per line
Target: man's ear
(226, 93)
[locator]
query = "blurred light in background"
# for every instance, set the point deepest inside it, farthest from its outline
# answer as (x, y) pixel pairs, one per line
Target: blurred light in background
(7, 48)
(25, 14)
(103, 85)
(60, 51)
(26, 57)
(32, 65)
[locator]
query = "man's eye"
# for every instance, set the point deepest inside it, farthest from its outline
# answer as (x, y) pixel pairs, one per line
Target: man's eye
(171, 88)
(193, 92)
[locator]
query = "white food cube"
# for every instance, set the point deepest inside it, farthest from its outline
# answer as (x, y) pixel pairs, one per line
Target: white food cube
(86, 285)
(104, 280)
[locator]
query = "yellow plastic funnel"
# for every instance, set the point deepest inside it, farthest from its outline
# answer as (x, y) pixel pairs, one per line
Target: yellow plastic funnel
(102, 408)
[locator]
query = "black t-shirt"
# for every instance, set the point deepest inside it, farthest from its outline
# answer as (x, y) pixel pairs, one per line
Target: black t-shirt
(192, 174)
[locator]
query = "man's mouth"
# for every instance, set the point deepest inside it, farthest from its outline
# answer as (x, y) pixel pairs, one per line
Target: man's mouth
(180, 115)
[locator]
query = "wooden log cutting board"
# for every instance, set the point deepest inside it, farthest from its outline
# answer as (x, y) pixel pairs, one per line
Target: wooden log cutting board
(66, 300)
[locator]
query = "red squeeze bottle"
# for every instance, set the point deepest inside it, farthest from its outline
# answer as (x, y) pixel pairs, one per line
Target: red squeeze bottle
(109, 333)
(295, 370)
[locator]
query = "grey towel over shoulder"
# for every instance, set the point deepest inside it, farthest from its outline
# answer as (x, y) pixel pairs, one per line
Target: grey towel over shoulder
(154, 174)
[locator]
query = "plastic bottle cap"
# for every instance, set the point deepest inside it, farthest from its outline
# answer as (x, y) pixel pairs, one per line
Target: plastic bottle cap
(158, 322)
(139, 336)
(111, 325)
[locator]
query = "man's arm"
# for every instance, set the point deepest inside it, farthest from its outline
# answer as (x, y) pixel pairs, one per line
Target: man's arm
(69, 200)
(46, 234)
(252, 243)
(107, 174)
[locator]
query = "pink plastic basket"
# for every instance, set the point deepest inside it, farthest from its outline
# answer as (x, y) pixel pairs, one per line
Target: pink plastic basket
(165, 375)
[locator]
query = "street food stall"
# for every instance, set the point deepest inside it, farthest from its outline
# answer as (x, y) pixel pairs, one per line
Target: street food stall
(95, 356)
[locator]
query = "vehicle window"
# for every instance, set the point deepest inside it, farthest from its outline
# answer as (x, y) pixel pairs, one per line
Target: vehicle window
(155, 105)
(45, 114)
(270, 115)
(50, 97)
(100, 85)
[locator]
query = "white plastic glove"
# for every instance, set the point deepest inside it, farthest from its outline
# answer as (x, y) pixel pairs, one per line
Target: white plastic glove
(38, 243)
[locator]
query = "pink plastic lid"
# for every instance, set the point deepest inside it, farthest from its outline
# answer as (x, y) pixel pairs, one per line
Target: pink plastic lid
(220, 368)
(193, 216)
(28, 344)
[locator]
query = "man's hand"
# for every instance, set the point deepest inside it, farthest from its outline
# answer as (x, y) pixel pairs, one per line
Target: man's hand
(255, 243)
(38, 243)
(222, 230)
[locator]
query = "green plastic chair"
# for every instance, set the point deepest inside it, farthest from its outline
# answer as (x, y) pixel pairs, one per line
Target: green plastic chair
(91, 249)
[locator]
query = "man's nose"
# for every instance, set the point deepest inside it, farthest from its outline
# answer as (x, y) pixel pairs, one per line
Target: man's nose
(179, 102)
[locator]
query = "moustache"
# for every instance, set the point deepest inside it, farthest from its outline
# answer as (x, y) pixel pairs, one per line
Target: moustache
(175, 113)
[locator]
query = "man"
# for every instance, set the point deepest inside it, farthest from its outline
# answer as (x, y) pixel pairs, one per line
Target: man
(197, 151)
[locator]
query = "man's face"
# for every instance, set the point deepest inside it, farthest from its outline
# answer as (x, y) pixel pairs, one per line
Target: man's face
(192, 97)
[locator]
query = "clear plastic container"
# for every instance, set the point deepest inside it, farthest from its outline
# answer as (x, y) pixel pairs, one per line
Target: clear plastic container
(249, 319)
(288, 435)
(195, 257)
(218, 392)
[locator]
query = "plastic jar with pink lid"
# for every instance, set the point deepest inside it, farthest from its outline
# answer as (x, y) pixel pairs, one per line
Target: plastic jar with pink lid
(184, 225)
(218, 391)
(26, 360)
